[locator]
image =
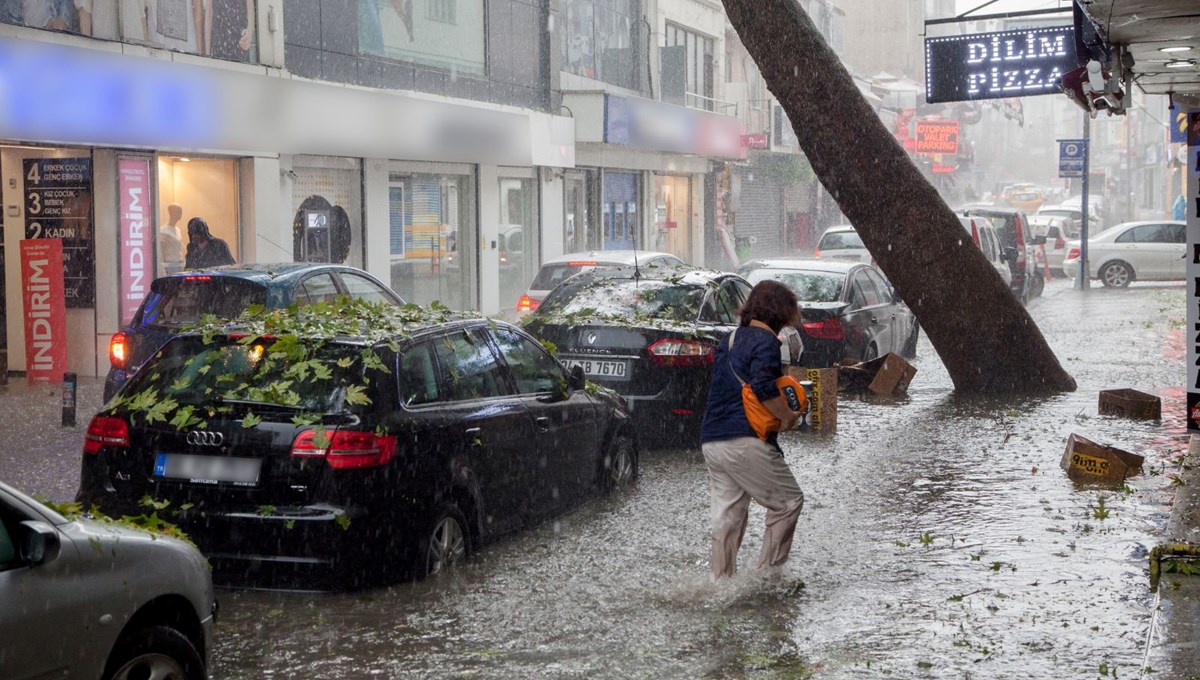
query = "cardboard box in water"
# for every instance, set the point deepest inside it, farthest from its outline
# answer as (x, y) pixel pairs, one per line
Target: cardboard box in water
(888, 375)
(1092, 463)
(822, 413)
(1130, 404)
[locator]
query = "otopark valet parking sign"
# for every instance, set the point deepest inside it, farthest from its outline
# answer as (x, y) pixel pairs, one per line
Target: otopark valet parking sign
(1192, 194)
(998, 65)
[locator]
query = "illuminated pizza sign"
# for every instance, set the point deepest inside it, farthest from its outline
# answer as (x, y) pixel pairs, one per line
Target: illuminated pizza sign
(998, 65)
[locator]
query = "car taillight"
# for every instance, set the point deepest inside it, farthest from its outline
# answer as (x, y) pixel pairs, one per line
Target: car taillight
(1020, 231)
(105, 431)
(817, 252)
(526, 304)
(681, 353)
(825, 329)
(118, 350)
(1074, 254)
(345, 449)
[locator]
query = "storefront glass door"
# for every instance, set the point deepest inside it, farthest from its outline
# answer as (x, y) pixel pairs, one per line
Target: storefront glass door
(518, 239)
(673, 216)
(432, 238)
(189, 188)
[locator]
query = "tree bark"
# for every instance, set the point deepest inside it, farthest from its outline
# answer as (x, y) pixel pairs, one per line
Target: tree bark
(983, 334)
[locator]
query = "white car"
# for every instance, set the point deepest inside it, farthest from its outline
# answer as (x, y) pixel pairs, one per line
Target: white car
(984, 235)
(1057, 230)
(556, 270)
(1072, 211)
(81, 598)
(842, 242)
(1142, 251)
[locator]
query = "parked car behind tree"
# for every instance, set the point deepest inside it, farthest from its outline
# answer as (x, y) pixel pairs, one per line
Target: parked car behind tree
(1133, 251)
(848, 309)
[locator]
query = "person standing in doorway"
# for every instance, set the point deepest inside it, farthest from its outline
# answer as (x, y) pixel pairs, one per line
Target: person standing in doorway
(741, 466)
(170, 241)
(205, 250)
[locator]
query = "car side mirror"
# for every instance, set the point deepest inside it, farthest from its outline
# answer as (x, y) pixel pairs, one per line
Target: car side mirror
(40, 543)
(577, 381)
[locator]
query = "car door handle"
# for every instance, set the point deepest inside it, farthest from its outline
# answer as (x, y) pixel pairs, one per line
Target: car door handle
(873, 319)
(474, 434)
(543, 424)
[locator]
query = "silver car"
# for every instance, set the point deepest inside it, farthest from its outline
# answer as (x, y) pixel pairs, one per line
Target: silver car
(88, 599)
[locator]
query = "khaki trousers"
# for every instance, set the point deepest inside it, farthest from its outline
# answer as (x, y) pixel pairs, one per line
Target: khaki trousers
(743, 469)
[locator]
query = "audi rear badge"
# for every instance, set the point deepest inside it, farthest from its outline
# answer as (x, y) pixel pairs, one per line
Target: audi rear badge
(205, 438)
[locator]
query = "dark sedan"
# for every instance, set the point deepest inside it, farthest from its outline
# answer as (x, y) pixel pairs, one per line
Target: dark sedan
(649, 334)
(180, 300)
(849, 310)
(318, 460)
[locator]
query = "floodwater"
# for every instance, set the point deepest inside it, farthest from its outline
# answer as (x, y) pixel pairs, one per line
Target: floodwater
(940, 539)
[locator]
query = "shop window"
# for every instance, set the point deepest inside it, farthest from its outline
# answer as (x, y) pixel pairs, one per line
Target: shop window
(327, 210)
(223, 29)
(620, 208)
(448, 34)
(431, 235)
(673, 215)
(188, 188)
(698, 62)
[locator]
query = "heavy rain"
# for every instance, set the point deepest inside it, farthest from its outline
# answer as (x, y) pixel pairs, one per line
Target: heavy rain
(453, 338)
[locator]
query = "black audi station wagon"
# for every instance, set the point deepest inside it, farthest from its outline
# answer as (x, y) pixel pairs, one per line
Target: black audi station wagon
(299, 456)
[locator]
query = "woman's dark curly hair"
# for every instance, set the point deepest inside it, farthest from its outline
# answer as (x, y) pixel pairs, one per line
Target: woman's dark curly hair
(772, 303)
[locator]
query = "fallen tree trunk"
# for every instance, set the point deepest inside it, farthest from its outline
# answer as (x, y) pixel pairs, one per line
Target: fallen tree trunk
(983, 334)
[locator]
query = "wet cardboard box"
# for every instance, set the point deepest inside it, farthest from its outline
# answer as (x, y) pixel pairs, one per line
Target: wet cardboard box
(1090, 462)
(822, 413)
(1128, 403)
(888, 375)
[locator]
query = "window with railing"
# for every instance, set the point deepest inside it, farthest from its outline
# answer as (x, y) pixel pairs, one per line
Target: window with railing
(698, 64)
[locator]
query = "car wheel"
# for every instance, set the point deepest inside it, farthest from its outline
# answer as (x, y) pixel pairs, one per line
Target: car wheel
(910, 345)
(446, 544)
(1039, 284)
(871, 352)
(618, 467)
(1116, 274)
(158, 652)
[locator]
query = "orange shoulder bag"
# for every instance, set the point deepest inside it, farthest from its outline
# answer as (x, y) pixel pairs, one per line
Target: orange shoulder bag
(762, 421)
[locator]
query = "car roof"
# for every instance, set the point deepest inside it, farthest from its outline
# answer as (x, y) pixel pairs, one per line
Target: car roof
(690, 276)
(616, 257)
(838, 228)
(266, 274)
(808, 264)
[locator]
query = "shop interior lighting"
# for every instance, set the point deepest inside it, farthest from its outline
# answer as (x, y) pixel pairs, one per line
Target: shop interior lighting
(1176, 48)
(184, 160)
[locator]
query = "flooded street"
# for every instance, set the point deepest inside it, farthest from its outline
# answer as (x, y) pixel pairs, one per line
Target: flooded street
(940, 539)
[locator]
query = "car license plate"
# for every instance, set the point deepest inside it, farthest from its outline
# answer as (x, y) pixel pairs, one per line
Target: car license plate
(208, 469)
(601, 368)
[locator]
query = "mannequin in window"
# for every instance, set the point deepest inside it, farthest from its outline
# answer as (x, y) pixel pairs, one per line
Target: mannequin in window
(170, 241)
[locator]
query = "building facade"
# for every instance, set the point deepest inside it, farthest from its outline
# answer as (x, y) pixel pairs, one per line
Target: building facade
(414, 140)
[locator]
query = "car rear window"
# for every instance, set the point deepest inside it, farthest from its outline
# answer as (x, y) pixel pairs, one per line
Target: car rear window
(627, 297)
(225, 370)
(809, 286)
(837, 240)
(550, 275)
(183, 300)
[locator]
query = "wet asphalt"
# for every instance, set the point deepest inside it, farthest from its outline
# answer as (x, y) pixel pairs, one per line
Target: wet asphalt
(940, 539)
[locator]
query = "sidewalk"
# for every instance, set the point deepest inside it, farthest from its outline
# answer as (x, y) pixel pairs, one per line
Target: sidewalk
(40, 456)
(1173, 644)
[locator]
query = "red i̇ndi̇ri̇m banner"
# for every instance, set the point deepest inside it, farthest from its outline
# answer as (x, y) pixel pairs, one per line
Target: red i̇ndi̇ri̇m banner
(45, 310)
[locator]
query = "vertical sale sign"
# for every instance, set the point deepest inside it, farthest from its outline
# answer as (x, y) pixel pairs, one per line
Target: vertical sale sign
(133, 178)
(1192, 194)
(45, 314)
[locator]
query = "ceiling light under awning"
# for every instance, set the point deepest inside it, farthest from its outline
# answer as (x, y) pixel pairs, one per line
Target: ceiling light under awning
(1176, 48)
(1180, 64)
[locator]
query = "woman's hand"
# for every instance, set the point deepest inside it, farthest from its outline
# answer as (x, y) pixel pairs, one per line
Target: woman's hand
(778, 407)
